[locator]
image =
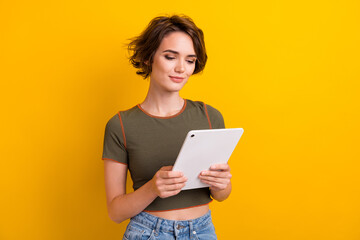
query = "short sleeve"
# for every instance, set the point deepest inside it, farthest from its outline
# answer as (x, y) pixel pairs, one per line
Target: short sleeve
(216, 118)
(114, 147)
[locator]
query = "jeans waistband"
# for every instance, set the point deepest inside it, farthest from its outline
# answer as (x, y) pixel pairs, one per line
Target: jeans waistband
(166, 225)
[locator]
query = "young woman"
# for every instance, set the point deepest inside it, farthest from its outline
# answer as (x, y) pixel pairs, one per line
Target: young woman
(147, 138)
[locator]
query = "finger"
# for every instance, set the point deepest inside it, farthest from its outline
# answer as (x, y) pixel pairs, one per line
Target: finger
(216, 174)
(218, 186)
(173, 187)
(166, 168)
(214, 179)
(165, 172)
(170, 181)
(161, 183)
(221, 167)
(170, 174)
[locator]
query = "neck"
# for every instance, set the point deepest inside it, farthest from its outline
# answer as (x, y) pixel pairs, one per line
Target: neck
(162, 104)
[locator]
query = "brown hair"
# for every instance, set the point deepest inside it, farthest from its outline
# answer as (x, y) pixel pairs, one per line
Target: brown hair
(145, 45)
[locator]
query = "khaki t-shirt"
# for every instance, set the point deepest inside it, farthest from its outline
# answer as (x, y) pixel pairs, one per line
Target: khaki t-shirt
(146, 143)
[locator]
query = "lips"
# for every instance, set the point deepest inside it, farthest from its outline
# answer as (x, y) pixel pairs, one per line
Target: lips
(177, 79)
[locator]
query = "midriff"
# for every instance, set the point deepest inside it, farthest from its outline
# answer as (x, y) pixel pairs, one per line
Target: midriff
(182, 214)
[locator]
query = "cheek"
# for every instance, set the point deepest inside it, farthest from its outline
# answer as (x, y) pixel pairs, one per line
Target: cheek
(191, 70)
(162, 66)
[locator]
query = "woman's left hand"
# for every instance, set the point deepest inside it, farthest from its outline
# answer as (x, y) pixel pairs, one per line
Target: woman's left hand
(218, 176)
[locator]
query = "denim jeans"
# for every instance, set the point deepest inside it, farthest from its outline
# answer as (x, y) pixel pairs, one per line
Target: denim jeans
(145, 226)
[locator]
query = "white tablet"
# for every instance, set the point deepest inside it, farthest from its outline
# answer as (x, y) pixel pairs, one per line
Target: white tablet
(203, 148)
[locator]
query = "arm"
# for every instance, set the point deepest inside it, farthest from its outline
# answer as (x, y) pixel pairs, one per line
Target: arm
(219, 179)
(122, 206)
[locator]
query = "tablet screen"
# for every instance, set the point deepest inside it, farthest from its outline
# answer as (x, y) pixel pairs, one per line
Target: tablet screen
(203, 148)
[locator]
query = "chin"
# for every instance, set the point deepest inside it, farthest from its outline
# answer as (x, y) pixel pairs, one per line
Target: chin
(178, 87)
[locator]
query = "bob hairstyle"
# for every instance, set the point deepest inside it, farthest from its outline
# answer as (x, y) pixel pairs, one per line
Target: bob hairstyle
(144, 46)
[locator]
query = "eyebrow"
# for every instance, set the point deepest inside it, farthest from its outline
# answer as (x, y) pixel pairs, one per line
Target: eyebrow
(175, 52)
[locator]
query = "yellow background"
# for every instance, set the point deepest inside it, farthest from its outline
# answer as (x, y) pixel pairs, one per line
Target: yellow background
(285, 71)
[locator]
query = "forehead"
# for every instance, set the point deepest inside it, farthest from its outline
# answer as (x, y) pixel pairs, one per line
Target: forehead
(179, 42)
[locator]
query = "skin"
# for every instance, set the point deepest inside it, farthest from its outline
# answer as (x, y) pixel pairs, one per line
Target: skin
(173, 64)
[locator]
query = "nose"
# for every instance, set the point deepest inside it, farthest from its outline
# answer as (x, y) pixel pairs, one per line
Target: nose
(180, 66)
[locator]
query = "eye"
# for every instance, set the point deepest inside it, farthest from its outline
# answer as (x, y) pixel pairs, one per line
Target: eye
(191, 61)
(169, 57)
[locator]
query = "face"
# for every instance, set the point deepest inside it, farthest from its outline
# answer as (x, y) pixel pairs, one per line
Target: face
(173, 63)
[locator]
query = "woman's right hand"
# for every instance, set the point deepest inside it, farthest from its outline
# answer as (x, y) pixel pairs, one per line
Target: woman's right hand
(167, 183)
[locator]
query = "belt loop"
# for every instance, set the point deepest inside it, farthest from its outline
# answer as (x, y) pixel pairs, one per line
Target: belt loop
(191, 229)
(176, 230)
(157, 226)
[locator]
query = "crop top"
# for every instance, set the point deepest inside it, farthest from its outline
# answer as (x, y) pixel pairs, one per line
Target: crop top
(146, 143)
